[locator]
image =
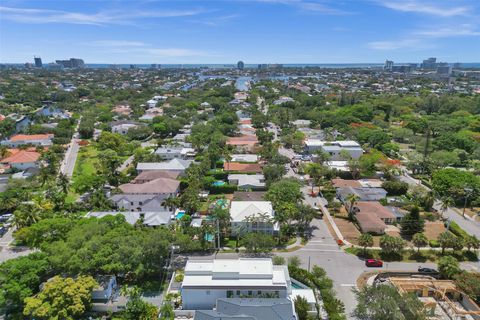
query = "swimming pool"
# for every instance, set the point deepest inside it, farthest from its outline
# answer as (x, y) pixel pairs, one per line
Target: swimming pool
(296, 286)
(209, 237)
(218, 183)
(180, 215)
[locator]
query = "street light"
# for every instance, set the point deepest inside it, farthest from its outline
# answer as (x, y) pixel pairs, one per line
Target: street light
(468, 192)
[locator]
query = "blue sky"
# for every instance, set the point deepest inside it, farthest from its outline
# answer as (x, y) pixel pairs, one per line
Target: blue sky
(225, 31)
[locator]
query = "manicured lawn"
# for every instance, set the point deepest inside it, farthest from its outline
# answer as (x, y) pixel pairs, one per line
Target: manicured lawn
(87, 162)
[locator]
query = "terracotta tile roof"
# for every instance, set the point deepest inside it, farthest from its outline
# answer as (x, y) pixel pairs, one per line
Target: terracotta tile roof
(342, 183)
(22, 156)
(20, 137)
(242, 167)
(246, 121)
(374, 207)
(243, 140)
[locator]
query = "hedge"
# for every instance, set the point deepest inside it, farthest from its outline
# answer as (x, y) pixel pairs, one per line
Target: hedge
(456, 230)
(434, 244)
(226, 188)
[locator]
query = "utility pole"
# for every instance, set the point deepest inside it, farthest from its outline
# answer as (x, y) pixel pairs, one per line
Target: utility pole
(468, 191)
(309, 263)
(218, 234)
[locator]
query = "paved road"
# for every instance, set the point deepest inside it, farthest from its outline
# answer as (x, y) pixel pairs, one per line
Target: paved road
(71, 155)
(126, 163)
(470, 226)
(4, 182)
(6, 252)
(68, 163)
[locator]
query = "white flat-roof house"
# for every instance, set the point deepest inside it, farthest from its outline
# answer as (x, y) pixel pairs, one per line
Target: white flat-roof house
(334, 148)
(205, 281)
(122, 127)
(174, 165)
(169, 153)
(254, 216)
(247, 181)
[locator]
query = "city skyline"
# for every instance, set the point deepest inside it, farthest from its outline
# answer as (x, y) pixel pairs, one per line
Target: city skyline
(254, 31)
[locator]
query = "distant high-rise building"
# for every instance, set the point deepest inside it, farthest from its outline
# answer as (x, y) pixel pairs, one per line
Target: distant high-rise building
(388, 66)
(240, 65)
(262, 66)
(72, 63)
(430, 63)
(38, 62)
(444, 70)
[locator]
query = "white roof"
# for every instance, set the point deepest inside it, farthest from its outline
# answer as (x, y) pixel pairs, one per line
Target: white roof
(239, 210)
(304, 293)
(244, 158)
(339, 165)
(174, 164)
(314, 142)
(347, 143)
(244, 272)
(255, 180)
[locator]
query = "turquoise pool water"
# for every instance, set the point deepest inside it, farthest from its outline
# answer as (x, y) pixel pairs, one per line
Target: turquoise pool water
(221, 202)
(218, 183)
(296, 286)
(209, 237)
(180, 215)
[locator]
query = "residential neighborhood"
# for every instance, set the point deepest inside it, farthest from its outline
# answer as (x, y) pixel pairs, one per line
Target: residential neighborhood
(226, 193)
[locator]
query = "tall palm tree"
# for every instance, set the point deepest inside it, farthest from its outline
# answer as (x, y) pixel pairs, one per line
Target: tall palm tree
(446, 203)
(351, 199)
(63, 182)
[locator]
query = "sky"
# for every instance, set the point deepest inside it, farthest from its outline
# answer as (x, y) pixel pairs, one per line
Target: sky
(254, 31)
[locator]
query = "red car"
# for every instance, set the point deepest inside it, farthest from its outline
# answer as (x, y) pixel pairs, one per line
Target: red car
(374, 263)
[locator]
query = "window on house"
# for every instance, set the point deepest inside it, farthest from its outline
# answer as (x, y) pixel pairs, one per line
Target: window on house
(140, 203)
(259, 292)
(249, 293)
(131, 203)
(238, 292)
(229, 294)
(208, 292)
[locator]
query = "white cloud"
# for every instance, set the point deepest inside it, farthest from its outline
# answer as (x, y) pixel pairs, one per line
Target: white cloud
(117, 43)
(216, 21)
(41, 16)
(424, 8)
(464, 30)
(308, 6)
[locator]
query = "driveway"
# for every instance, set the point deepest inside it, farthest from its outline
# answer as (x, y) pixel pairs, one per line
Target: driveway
(7, 252)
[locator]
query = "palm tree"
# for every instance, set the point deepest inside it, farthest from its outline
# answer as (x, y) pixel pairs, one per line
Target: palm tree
(446, 203)
(351, 199)
(239, 230)
(171, 203)
(316, 172)
(63, 182)
(4, 152)
(322, 156)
